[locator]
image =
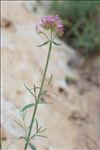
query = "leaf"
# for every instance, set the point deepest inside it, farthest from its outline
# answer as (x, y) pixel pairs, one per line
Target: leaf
(28, 128)
(23, 115)
(43, 44)
(43, 93)
(27, 106)
(33, 136)
(42, 130)
(34, 88)
(29, 90)
(37, 127)
(41, 136)
(58, 44)
(19, 124)
(32, 146)
(50, 79)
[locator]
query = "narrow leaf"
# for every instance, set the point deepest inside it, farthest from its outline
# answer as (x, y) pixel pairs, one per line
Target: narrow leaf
(27, 106)
(50, 79)
(43, 44)
(41, 136)
(58, 44)
(43, 93)
(23, 114)
(19, 124)
(28, 128)
(37, 125)
(42, 130)
(34, 88)
(33, 136)
(29, 90)
(39, 129)
(32, 146)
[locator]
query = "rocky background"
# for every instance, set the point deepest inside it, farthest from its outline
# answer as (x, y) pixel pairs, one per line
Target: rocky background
(73, 117)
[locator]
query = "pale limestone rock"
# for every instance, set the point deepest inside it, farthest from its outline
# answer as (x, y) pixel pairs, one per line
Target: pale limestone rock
(68, 118)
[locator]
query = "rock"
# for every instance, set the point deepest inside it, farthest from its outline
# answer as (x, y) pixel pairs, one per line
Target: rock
(83, 86)
(75, 115)
(70, 80)
(70, 115)
(5, 23)
(95, 73)
(90, 130)
(62, 86)
(78, 110)
(76, 62)
(91, 73)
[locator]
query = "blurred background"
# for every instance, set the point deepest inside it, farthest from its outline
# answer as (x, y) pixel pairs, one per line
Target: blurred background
(73, 117)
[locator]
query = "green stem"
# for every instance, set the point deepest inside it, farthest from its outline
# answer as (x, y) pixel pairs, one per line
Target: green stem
(41, 87)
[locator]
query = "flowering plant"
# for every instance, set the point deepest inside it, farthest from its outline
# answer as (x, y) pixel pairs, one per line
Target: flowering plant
(54, 25)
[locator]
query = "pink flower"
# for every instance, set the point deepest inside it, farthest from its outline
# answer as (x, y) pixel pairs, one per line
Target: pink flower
(60, 30)
(52, 23)
(38, 29)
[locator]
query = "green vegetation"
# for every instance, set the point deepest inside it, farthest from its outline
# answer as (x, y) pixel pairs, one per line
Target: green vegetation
(81, 23)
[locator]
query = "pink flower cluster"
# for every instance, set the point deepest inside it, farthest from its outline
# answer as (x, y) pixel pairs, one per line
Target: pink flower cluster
(51, 23)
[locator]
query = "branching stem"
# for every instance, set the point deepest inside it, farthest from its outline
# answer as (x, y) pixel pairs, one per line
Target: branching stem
(38, 98)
